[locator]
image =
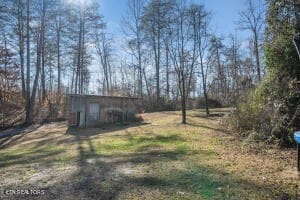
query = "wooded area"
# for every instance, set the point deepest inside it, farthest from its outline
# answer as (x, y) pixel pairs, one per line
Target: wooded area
(217, 113)
(173, 60)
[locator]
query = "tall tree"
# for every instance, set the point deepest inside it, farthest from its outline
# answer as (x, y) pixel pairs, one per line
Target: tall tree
(253, 19)
(20, 32)
(87, 17)
(216, 50)
(200, 22)
(29, 117)
(133, 30)
(59, 14)
(233, 65)
(154, 22)
(104, 50)
(183, 53)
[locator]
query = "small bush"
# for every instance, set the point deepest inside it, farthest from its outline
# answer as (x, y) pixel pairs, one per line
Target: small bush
(253, 117)
(253, 136)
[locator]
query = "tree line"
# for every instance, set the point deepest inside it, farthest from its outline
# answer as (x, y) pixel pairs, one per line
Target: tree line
(48, 41)
(177, 55)
(172, 55)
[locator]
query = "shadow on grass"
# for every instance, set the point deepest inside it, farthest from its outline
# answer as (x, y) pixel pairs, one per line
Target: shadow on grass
(83, 133)
(203, 126)
(201, 114)
(162, 138)
(211, 116)
(202, 182)
(87, 132)
(97, 178)
(13, 135)
(37, 155)
(88, 182)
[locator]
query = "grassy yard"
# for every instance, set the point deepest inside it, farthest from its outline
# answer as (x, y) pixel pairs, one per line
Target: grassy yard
(156, 159)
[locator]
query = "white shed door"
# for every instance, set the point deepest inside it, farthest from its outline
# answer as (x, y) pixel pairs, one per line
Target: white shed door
(94, 110)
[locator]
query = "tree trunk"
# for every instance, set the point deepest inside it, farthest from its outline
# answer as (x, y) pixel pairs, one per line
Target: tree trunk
(21, 47)
(43, 81)
(42, 54)
(147, 84)
(183, 102)
(158, 68)
(156, 57)
(167, 72)
(29, 118)
(140, 66)
(204, 85)
(58, 61)
(257, 56)
(78, 58)
(82, 59)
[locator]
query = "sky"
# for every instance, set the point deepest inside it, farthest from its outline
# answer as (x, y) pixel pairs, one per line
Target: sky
(224, 15)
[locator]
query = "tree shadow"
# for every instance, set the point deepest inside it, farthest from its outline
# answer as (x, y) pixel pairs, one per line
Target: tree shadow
(208, 183)
(211, 116)
(36, 155)
(92, 173)
(204, 126)
(215, 128)
(73, 132)
(201, 114)
(103, 130)
(97, 176)
(10, 136)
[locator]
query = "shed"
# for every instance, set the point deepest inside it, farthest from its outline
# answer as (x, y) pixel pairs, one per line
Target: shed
(94, 110)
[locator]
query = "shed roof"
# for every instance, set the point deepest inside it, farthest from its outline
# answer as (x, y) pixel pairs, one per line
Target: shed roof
(100, 96)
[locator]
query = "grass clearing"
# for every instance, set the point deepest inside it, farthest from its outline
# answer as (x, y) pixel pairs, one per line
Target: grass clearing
(157, 159)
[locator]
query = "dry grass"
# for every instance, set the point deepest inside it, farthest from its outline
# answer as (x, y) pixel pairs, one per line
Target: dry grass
(157, 159)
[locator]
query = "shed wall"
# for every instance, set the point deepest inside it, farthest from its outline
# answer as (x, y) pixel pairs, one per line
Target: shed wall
(96, 111)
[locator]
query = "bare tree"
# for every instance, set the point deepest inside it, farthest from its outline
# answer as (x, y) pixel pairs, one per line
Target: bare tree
(88, 17)
(21, 39)
(42, 48)
(233, 65)
(28, 103)
(59, 14)
(183, 53)
(154, 21)
(253, 19)
(31, 94)
(132, 29)
(104, 49)
(215, 50)
(200, 22)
